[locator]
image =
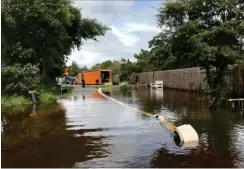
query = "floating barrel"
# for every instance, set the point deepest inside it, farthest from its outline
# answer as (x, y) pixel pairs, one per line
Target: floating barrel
(186, 134)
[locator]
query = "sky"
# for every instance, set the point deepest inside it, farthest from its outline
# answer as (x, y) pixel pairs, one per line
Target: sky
(132, 24)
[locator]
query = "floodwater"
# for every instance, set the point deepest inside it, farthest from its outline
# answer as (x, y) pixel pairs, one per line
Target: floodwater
(90, 131)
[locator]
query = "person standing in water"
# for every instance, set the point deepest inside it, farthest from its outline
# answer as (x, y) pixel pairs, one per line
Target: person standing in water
(83, 80)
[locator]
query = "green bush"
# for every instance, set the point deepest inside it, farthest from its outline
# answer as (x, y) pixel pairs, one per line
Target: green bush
(18, 79)
(48, 98)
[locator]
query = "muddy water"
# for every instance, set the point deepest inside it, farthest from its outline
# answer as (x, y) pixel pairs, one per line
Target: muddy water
(90, 131)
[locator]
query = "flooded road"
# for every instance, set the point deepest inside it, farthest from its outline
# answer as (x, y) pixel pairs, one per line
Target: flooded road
(90, 131)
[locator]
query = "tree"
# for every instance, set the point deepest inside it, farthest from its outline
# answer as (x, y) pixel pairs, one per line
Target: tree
(126, 70)
(106, 64)
(123, 60)
(44, 32)
(115, 67)
(74, 69)
(18, 79)
(204, 33)
(143, 61)
(84, 68)
(96, 66)
(112, 65)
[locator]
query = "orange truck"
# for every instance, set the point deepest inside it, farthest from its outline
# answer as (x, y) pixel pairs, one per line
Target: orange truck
(95, 75)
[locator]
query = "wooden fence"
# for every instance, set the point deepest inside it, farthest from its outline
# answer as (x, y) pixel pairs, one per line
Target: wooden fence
(237, 83)
(192, 79)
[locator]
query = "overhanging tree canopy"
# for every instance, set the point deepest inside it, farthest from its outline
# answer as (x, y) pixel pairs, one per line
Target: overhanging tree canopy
(43, 33)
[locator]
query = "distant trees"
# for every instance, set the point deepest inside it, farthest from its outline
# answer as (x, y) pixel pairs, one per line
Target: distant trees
(96, 66)
(127, 68)
(74, 69)
(144, 61)
(108, 64)
(115, 67)
(84, 68)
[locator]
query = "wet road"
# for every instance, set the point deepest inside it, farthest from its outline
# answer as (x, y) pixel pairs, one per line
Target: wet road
(90, 131)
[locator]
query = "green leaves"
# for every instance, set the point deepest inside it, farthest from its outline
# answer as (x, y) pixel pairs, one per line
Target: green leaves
(205, 33)
(143, 63)
(74, 69)
(19, 79)
(44, 32)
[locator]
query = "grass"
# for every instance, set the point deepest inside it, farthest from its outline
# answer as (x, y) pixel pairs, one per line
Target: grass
(50, 97)
(107, 88)
(69, 90)
(55, 93)
(44, 97)
(15, 103)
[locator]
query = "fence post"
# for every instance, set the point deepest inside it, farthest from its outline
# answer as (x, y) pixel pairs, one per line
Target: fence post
(33, 96)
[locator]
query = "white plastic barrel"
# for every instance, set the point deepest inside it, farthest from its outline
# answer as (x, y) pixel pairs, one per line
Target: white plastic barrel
(187, 133)
(190, 144)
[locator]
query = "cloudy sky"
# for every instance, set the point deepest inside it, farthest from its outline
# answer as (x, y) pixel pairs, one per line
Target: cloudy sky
(132, 24)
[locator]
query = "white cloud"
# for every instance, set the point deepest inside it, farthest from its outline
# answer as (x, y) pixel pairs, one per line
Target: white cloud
(125, 38)
(131, 29)
(86, 57)
(140, 27)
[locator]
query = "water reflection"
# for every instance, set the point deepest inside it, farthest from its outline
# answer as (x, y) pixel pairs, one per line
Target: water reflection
(43, 141)
(195, 158)
(215, 129)
(126, 92)
(75, 97)
(158, 93)
(154, 104)
(217, 125)
(33, 112)
(91, 131)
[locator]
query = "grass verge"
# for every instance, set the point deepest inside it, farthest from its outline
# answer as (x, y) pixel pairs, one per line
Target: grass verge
(44, 97)
(15, 103)
(107, 88)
